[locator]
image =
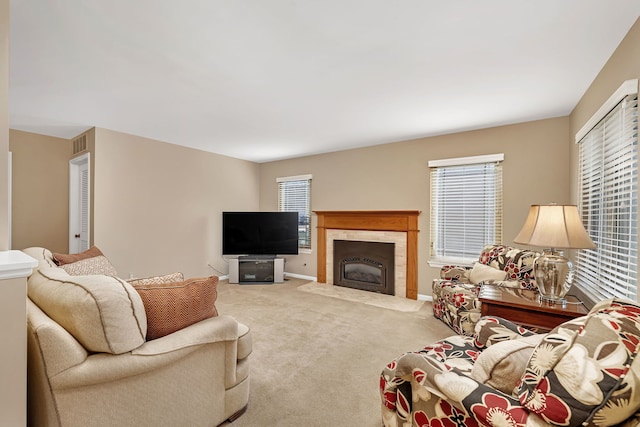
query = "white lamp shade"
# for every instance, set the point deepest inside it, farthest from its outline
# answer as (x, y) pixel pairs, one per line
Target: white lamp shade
(554, 226)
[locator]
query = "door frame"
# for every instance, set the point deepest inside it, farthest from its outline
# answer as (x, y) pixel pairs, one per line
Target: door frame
(74, 198)
(9, 200)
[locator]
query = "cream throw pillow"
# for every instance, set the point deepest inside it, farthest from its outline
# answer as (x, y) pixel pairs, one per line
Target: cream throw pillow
(104, 313)
(481, 272)
(501, 366)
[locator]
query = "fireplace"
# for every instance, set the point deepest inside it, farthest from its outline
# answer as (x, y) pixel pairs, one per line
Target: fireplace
(399, 227)
(367, 266)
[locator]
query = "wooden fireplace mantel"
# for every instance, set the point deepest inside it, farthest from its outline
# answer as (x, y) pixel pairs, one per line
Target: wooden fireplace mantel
(403, 221)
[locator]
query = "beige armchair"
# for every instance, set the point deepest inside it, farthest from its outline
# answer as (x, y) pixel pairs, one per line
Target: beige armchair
(90, 365)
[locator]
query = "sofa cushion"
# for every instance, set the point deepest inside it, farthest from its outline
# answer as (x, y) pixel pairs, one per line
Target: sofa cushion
(501, 365)
(61, 259)
(104, 313)
(587, 368)
(173, 306)
(90, 266)
(480, 273)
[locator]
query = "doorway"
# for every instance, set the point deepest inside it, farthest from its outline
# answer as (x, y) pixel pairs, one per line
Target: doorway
(79, 198)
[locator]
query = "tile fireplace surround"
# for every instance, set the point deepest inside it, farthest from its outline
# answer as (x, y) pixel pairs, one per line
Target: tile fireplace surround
(399, 227)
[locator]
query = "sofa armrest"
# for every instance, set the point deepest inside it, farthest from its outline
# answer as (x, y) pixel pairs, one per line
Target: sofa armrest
(245, 342)
(454, 272)
(488, 406)
(50, 343)
(101, 368)
(491, 329)
(214, 329)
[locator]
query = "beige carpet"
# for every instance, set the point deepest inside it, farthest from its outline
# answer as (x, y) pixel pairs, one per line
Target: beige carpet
(316, 359)
(379, 300)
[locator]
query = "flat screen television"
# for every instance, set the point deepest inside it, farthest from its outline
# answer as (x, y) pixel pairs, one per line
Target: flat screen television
(260, 233)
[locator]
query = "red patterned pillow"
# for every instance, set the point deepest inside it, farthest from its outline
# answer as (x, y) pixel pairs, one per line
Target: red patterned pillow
(173, 306)
(61, 259)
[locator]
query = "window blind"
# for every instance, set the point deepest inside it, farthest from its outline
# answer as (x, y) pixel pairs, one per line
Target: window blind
(294, 195)
(608, 199)
(466, 208)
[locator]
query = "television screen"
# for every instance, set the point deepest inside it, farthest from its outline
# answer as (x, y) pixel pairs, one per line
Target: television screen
(259, 233)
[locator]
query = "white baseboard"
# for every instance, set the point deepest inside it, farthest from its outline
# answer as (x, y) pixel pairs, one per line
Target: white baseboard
(300, 276)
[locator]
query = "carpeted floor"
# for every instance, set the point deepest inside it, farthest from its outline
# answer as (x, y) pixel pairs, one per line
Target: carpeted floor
(316, 359)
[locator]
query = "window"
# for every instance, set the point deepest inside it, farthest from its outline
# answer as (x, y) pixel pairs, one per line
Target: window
(294, 195)
(466, 207)
(608, 198)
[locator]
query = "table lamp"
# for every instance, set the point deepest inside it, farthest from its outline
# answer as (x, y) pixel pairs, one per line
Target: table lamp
(554, 227)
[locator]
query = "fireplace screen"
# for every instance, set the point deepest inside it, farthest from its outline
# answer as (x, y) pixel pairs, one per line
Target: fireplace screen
(367, 266)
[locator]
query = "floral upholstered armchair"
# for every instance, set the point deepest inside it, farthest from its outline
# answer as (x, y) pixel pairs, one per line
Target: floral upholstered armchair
(455, 294)
(584, 372)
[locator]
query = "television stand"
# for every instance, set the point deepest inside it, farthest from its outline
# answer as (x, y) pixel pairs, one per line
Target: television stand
(252, 269)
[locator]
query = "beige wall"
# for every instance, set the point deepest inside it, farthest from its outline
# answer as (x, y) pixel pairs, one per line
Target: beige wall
(40, 196)
(396, 177)
(623, 65)
(12, 316)
(4, 124)
(157, 206)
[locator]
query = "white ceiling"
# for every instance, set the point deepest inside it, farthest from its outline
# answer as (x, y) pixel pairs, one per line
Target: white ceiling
(272, 79)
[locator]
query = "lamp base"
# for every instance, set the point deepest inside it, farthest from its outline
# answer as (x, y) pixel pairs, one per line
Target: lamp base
(554, 276)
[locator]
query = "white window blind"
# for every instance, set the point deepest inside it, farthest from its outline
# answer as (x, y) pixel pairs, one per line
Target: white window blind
(608, 200)
(294, 195)
(466, 207)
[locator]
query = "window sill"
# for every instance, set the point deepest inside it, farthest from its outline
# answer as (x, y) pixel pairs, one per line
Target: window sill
(441, 262)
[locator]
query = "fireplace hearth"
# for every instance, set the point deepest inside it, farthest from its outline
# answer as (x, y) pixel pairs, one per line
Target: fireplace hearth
(367, 266)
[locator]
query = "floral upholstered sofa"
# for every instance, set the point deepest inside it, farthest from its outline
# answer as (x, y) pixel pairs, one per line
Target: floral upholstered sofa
(455, 293)
(584, 372)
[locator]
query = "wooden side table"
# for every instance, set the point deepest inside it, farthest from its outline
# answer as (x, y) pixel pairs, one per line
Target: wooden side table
(525, 307)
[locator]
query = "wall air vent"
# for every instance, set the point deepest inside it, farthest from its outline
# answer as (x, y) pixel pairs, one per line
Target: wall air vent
(80, 144)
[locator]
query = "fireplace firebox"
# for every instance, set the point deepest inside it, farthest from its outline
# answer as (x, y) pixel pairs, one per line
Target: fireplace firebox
(367, 266)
